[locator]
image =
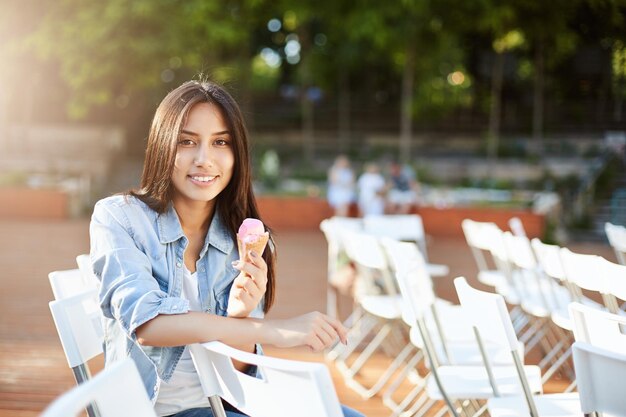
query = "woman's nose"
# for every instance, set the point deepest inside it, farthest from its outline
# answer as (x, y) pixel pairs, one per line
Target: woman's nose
(203, 156)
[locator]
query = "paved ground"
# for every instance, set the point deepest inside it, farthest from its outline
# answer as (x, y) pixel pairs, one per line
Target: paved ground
(33, 370)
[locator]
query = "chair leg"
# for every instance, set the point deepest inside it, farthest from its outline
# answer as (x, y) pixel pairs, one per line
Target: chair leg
(388, 394)
(362, 327)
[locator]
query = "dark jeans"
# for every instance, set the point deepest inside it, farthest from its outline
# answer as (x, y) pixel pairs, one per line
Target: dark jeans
(206, 412)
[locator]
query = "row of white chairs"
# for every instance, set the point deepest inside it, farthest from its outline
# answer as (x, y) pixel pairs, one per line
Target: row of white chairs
(118, 391)
(540, 280)
(512, 389)
(376, 320)
(529, 275)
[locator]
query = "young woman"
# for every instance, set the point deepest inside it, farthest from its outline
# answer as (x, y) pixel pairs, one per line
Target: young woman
(167, 259)
(341, 186)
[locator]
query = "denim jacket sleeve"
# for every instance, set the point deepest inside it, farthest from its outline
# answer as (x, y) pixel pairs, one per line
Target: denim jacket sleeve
(129, 293)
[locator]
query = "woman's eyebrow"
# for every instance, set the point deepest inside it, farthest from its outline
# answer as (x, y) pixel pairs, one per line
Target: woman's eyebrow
(189, 132)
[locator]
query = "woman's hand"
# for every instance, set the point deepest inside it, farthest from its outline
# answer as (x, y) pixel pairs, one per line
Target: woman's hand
(315, 330)
(248, 287)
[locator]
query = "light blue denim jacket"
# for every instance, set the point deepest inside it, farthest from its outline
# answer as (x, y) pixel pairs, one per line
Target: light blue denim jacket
(137, 254)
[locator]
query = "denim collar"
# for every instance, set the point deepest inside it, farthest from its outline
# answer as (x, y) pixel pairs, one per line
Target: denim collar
(170, 230)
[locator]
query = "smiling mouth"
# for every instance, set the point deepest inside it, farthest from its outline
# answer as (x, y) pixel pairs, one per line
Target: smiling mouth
(202, 179)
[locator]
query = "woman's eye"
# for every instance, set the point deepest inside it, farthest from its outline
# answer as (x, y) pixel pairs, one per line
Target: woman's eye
(186, 142)
(221, 142)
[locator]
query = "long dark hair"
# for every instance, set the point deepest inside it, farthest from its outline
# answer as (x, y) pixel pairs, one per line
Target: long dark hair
(236, 202)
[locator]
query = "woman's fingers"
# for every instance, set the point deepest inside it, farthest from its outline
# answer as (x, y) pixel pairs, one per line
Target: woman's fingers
(341, 330)
(258, 273)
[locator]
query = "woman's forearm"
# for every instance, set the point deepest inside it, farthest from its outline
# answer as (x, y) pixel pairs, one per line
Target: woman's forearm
(315, 330)
(197, 327)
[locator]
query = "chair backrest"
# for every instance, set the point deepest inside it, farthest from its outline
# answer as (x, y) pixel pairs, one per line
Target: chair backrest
(334, 229)
(370, 260)
(492, 323)
(415, 284)
(548, 256)
(517, 227)
(487, 312)
(597, 327)
(77, 319)
(406, 227)
(600, 376)
(616, 235)
(84, 265)
(117, 391)
(68, 283)
(584, 271)
(285, 385)
(519, 251)
(484, 237)
(615, 277)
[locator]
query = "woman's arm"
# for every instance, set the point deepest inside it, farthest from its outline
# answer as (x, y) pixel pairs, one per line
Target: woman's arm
(315, 330)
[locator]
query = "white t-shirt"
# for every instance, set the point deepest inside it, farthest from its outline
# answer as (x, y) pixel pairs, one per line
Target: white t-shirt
(183, 391)
(370, 186)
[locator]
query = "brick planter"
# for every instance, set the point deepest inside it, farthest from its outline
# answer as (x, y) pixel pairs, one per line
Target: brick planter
(26, 203)
(447, 221)
(293, 213)
(302, 213)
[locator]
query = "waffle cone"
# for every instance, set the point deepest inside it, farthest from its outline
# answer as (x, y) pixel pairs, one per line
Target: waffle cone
(258, 246)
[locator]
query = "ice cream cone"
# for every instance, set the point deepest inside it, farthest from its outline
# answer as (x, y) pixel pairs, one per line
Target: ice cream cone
(258, 246)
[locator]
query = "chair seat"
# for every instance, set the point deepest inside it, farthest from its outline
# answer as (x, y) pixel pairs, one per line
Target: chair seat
(384, 306)
(437, 270)
(561, 317)
(535, 299)
(491, 277)
(454, 322)
(462, 382)
(466, 353)
(550, 405)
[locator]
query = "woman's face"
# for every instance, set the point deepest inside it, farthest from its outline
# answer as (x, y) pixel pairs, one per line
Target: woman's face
(204, 158)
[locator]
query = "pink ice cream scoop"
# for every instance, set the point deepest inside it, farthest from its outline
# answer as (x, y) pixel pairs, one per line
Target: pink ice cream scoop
(250, 230)
(251, 236)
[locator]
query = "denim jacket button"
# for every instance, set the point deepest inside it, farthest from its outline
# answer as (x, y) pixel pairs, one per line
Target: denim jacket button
(178, 264)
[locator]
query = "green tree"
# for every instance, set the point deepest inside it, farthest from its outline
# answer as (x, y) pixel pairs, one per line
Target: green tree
(110, 50)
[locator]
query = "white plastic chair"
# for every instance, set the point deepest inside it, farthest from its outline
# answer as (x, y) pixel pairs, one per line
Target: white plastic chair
(616, 235)
(377, 298)
(600, 374)
(403, 227)
(540, 296)
(286, 386)
(615, 276)
(517, 227)
(78, 322)
(77, 319)
(491, 321)
(69, 282)
(597, 327)
(450, 334)
(482, 238)
(117, 391)
(84, 265)
(333, 229)
(586, 272)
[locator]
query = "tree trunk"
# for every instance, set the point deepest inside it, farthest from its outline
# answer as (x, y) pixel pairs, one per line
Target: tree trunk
(306, 104)
(406, 112)
(538, 104)
(620, 88)
(493, 134)
(343, 114)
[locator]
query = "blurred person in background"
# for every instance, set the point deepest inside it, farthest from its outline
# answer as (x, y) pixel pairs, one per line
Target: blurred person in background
(167, 260)
(341, 184)
(403, 189)
(372, 189)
